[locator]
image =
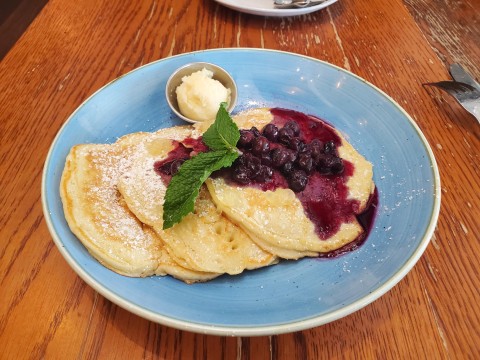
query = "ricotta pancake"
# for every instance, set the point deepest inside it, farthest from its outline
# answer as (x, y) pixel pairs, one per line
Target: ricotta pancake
(113, 198)
(205, 240)
(278, 219)
(101, 220)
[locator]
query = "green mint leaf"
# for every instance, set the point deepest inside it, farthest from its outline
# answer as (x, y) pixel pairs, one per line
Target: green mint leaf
(185, 185)
(221, 137)
(223, 134)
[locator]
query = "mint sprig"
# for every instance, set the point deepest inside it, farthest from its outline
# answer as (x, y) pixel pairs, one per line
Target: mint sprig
(182, 191)
(223, 134)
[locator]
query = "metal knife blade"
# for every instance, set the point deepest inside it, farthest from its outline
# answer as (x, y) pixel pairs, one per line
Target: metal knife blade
(459, 74)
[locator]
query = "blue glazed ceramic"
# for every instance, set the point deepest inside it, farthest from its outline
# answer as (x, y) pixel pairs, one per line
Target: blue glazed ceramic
(292, 295)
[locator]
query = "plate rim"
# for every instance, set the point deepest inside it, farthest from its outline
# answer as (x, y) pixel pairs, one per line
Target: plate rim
(225, 330)
(275, 12)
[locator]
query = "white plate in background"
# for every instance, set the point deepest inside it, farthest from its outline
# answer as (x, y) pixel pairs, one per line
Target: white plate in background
(267, 8)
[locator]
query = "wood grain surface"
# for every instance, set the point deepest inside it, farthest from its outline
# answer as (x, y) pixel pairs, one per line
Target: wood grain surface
(15, 17)
(73, 48)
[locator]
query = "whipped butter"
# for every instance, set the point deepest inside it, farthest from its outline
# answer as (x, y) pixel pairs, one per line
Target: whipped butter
(199, 96)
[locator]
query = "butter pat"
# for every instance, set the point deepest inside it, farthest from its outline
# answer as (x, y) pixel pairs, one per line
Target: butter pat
(199, 95)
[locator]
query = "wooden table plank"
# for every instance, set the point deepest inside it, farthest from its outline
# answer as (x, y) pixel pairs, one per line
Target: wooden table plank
(451, 28)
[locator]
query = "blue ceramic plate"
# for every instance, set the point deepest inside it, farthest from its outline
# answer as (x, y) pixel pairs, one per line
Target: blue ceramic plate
(292, 295)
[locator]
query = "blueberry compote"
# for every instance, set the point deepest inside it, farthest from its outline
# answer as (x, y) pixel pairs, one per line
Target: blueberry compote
(295, 151)
(299, 152)
(181, 152)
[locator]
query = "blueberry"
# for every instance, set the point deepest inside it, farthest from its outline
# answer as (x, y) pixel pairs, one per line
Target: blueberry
(265, 173)
(255, 131)
(337, 167)
(247, 163)
(240, 175)
(296, 144)
(171, 167)
(292, 155)
(329, 147)
(285, 135)
(260, 145)
(325, 162)
(164, 168)
(175, 166)
(252, 164)
(316, 147)
(294, 126)
(297, 181)
(266, 159)
(305, 162)
(270, 131)
(246, 138)
(287, 168)
(330, 164)
(240, 161)
(280, 156)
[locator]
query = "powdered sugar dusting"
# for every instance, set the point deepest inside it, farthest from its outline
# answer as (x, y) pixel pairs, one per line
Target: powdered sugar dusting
(107, 163)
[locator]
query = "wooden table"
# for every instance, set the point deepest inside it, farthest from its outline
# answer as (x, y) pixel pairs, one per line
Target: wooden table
(74, 47)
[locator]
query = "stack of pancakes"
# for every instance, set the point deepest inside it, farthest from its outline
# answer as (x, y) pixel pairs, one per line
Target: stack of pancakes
(113, 202)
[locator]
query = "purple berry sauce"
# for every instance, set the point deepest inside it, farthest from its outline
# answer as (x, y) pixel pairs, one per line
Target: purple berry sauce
(295, 151)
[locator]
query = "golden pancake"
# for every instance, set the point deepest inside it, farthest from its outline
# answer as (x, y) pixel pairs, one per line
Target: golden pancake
(113, 199)
(276, 219)
(204, 240)
(167, 266)
(98, 216)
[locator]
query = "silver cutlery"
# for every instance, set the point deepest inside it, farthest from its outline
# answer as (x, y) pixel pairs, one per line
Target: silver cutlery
(465, 89)
(296, 4)
(458, 73)
(467, 95)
